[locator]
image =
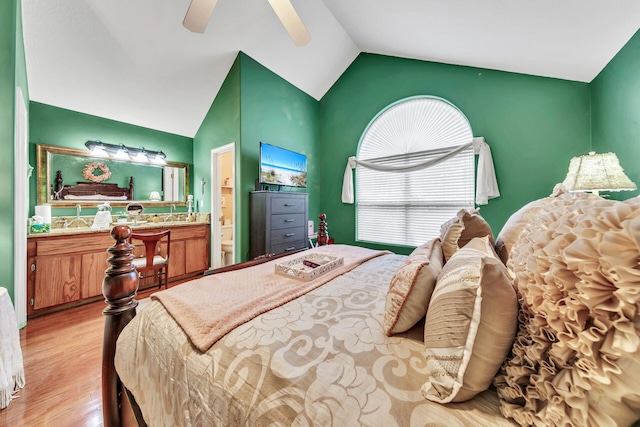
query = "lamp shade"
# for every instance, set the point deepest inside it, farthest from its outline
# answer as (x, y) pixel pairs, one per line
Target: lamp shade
(597, 172)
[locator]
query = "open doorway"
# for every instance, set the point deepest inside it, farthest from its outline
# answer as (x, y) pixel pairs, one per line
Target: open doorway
(223, 209)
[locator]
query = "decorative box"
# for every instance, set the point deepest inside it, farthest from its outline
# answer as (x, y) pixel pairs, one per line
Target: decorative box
(39, 228)
(308, 267)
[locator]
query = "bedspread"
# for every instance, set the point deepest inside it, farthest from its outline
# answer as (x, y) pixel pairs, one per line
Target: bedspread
(319, 360)
(208, 308)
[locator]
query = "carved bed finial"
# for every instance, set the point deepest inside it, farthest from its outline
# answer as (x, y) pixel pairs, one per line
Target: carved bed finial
(119, 287)
(323, 234)
(58, 187)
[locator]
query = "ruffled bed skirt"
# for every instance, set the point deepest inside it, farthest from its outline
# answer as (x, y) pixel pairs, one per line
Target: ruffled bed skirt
(11, 366)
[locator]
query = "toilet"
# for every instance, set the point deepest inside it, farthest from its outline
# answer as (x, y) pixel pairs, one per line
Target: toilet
(227, 245)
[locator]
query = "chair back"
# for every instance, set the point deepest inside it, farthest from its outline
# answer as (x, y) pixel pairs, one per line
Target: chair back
(151, 241)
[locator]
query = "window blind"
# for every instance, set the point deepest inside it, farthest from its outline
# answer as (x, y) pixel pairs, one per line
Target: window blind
(408, 208)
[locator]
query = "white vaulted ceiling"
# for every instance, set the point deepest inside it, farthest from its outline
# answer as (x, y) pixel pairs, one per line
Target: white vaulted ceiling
(133, 61)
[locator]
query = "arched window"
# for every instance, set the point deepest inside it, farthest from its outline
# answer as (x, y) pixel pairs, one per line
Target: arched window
(408, 208)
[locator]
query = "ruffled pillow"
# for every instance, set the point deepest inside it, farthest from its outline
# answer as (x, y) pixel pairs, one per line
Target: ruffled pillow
(471, 323)
(411, 288)
(576, 358)
(523, 216)
(515, 224)
(459, 231)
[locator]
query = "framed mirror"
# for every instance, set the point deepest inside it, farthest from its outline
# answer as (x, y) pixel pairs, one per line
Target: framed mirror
(67, 177)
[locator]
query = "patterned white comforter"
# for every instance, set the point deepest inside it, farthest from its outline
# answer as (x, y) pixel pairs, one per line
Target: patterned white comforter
(320, 360)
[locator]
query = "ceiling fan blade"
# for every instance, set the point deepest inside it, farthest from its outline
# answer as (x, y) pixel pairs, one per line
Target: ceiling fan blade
(291, 21)
(198, 15)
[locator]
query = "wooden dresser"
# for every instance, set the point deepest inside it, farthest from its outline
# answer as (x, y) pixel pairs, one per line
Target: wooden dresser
(278, 222)
(65, 270)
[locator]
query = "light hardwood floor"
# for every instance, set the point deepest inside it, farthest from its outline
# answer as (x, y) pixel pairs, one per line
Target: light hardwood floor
(62, 359)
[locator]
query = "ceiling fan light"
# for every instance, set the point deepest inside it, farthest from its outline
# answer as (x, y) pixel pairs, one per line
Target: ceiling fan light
(198, 15)
(291, 21)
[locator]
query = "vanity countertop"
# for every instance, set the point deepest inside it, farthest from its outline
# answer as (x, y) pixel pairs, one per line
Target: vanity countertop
(134, 226)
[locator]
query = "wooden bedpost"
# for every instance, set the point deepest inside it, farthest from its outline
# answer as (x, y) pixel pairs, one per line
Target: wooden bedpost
(119, 288)
(130, 194)
(323, 234)
(58, 187)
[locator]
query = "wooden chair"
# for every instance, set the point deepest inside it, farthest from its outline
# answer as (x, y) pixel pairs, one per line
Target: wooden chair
(153, 261)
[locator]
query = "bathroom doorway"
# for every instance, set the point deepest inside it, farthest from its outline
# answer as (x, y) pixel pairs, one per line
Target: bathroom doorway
(223, 209)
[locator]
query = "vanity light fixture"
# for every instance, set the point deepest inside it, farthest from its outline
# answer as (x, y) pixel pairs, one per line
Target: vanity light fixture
(159, 159)
(103, 150)
(121, 153)
(141, 157)
(98, 150)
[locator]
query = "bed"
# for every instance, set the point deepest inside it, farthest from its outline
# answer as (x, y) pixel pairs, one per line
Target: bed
(333, 355)
(90, 190)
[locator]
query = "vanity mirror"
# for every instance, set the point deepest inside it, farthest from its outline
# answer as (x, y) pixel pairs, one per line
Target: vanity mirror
(68, 177)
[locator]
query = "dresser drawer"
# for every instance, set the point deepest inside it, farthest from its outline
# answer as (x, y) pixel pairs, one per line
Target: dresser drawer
(281, 221)
(284, 204)
(288, 235)
(278, 222)
(288, 246)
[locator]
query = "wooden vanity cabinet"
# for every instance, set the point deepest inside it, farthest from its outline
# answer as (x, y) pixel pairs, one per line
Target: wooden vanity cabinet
(67, 270)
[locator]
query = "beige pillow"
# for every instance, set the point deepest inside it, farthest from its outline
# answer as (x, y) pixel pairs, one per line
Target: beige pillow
(471, 323)
(411, 287)
(459, 231)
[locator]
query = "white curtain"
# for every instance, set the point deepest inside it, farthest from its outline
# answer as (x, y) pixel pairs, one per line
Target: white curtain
(486, 183)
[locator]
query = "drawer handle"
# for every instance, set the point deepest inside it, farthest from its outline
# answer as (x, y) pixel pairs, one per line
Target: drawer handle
(289, 234)
(289, 220)
(289, 205)
(290, 248)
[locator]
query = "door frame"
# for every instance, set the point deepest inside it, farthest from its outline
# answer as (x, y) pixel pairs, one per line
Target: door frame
(216, 203)
(22, 172)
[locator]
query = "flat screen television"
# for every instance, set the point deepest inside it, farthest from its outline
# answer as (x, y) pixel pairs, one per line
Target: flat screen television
(282, 167)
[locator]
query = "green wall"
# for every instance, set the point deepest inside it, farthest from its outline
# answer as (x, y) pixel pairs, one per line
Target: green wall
(221, 126)
(276, 112)
(254, 105)
(615, 97)
(533, 125)
(65, 128)
(12, 74)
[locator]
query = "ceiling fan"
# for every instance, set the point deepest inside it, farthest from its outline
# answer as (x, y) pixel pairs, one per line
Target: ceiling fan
(200, 11)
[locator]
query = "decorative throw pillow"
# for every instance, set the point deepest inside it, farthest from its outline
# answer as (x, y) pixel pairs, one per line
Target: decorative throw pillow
(471, 323)
(576, 357)
(459, 231)
(411, 287)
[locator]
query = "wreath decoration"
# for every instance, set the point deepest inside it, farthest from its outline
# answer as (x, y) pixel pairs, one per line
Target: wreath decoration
(89, 172)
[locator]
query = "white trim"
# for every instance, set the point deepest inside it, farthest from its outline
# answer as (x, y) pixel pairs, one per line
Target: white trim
(20, 207)
(216, 202)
